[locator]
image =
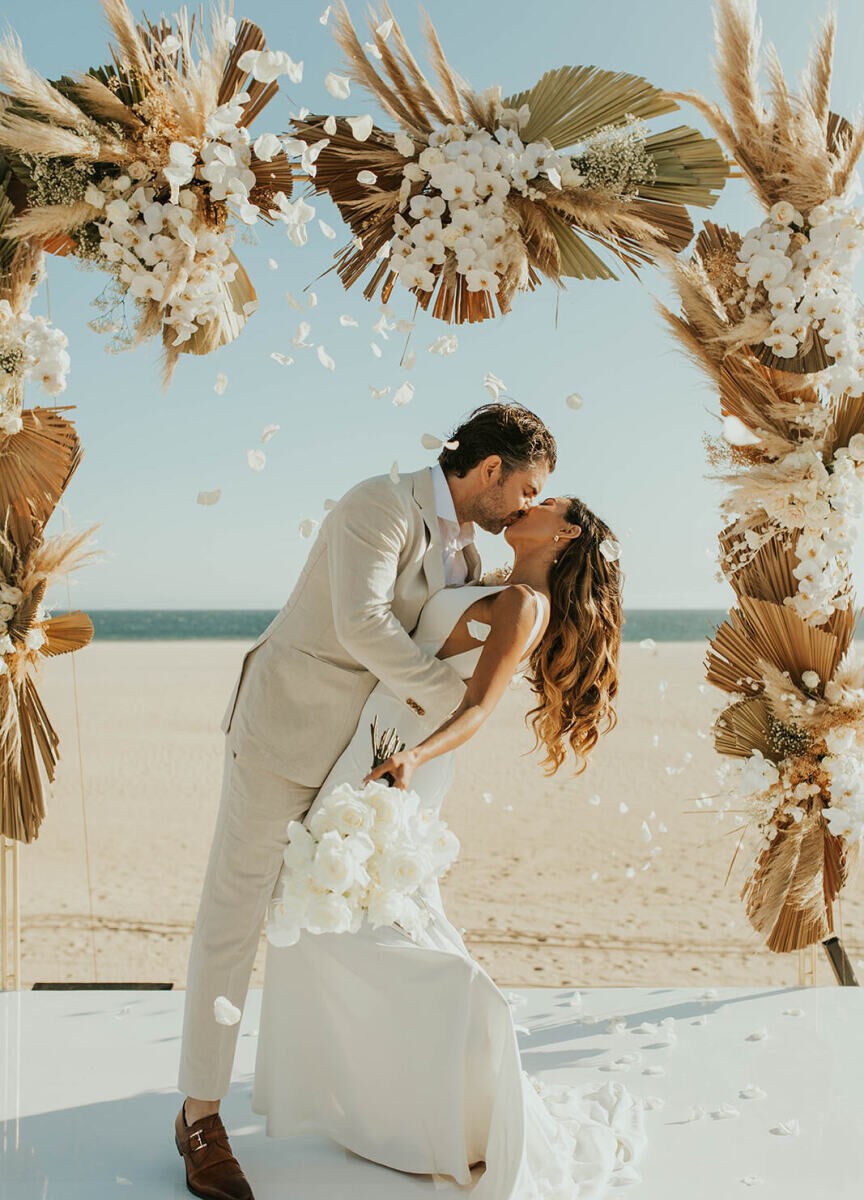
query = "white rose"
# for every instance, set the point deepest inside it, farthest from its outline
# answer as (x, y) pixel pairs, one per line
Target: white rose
(328, 914)
(350, 815)
(386, 907)
(334, 866)
(757, 774)
(810, 679)
(403, 868)
(7, 612)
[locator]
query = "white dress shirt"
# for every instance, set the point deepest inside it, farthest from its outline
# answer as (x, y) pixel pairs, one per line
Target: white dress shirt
(453, 535)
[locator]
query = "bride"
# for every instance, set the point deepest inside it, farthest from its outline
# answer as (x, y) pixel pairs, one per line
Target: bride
(404, 1051)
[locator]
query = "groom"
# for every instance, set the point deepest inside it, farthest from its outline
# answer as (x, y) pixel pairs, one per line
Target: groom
(381, 552)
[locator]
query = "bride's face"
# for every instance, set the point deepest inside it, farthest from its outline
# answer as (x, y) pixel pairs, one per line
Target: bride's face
(539, 524)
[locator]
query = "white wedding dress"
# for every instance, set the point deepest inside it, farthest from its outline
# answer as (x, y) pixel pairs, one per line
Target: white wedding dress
(405, 1052)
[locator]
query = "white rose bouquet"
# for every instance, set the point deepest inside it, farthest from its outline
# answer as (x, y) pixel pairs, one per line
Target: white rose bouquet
(368, 851)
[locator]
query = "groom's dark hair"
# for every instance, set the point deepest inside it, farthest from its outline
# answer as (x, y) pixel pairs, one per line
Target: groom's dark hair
(510, 430)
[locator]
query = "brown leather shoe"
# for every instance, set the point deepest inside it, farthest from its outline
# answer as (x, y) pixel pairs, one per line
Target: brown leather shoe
(212, 1171)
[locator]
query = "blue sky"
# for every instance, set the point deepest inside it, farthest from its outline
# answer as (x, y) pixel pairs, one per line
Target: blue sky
(633, 452)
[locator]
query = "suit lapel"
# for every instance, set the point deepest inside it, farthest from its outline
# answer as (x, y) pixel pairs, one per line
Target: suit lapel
(433, 560)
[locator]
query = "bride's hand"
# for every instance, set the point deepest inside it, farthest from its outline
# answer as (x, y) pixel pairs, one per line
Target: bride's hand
(401, 766)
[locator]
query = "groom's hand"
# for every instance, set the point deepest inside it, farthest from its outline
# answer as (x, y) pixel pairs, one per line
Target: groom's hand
(400, 767)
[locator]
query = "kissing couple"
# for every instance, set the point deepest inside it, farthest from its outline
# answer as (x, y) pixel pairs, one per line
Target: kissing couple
(402, 1049)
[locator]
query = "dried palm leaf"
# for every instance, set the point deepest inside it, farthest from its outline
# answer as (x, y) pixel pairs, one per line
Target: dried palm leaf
(786, 894)
(66, 633)
(36, 465)
(742, 728)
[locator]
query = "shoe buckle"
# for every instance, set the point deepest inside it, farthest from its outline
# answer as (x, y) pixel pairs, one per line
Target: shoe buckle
(201, 1143)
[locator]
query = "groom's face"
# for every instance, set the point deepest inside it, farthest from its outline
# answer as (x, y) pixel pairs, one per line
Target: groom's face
(508, 496)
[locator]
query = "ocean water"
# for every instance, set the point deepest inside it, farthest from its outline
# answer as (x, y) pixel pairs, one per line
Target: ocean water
(661, 624)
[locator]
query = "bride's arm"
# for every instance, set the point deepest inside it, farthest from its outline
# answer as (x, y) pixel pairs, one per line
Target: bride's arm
(513, 614)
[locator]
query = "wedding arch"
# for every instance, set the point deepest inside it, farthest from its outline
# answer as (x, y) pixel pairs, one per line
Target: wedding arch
(145, 166)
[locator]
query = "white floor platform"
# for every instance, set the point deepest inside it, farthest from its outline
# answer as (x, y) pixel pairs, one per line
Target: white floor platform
(88, 1100)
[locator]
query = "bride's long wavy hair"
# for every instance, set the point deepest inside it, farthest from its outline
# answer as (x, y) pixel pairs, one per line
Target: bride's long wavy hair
(574, 669)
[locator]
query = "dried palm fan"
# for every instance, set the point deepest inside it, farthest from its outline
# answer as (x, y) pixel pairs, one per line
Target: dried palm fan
(94, 153)
(27, 737)
(554, 168)
(790, 147)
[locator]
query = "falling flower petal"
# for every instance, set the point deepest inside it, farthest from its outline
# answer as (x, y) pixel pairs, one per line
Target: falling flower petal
(361, 127)
(793, 1012)
(272, 264)
(221, 383)
(757, 1035)
(313, 300)
(623, 806)
(379, 393)
(394, 472)
(338, 86)
(330, 125)
(256, 459)
(207, 498)
(225, 1012)
(170, 45)
(327, 230)
(329, 504)
(645, 832)
(325, 16)
(653, 1070)
(372, 49)
(648, 644)
(479, 630)
(610, 549)
(376, 349)
(446, 344)
(429, 442)
(403, 394)
(294, 303)
(325, 359)
(303, 331)
(574, 401)
(368, 177)
(410, 360)
(308, 527)
(282, 359)
(493, 385)
(385, 30)
(724, 1112)
(346, 320)
(267, 433)
(752, 1092)
(267, 146)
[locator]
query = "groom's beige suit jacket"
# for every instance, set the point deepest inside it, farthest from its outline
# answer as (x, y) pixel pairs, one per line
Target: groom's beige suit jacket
(375, 562)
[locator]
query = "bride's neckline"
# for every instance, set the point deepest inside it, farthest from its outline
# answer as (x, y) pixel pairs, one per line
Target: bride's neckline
(487, 588)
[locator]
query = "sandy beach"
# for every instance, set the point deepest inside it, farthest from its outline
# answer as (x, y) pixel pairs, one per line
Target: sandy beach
(551, 889)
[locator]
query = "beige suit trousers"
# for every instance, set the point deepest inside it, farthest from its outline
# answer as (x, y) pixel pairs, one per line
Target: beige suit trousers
(245, 857)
